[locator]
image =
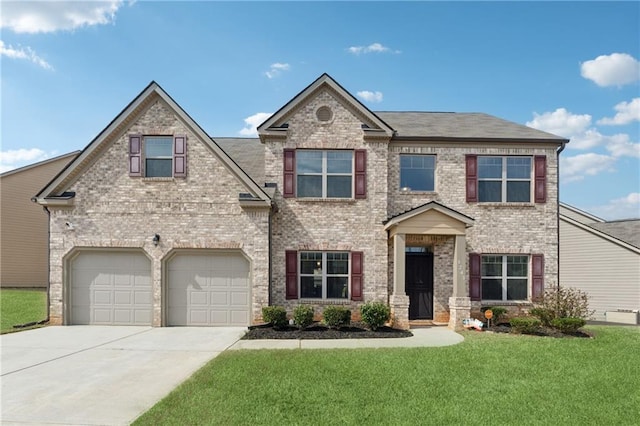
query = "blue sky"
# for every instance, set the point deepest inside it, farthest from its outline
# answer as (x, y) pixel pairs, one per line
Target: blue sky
(570, 68)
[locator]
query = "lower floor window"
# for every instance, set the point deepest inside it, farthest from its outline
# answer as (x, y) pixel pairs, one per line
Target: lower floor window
(324, 275)
(505, 277)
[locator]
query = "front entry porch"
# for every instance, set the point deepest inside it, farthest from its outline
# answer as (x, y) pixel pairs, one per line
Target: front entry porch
(428, 248)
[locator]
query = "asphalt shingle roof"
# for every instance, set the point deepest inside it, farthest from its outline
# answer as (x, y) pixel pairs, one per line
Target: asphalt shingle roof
(624, 230)
(472, 125)
(248, 153)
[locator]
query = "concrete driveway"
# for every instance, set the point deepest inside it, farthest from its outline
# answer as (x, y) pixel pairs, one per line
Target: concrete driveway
(99, 375)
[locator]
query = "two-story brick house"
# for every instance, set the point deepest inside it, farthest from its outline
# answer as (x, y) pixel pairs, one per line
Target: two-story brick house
(434, 213)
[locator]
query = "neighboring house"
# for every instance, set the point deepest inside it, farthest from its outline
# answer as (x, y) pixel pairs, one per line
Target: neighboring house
(601, 258)
(24, 226)
(436, 214)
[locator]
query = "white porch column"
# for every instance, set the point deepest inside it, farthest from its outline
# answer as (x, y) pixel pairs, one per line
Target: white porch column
(399, 300)
(459, 303)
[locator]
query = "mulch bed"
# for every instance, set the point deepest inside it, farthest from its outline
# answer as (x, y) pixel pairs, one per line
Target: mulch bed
(319, 331)
(542, 331)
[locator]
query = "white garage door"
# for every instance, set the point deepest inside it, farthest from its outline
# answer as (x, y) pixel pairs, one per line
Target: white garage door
(111, 288)
(208, 289)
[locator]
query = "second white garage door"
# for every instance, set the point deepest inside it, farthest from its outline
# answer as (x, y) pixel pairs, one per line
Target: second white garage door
(208, 289)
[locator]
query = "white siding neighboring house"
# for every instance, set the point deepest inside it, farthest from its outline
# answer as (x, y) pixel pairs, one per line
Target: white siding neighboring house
(603, 259)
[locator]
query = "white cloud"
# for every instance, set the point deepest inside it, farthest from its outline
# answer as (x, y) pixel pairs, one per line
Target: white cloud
(620, 208)
(621, 146)
(14, 158)
(23, 53)
(616, 69)
(372, 48)
(627, 112)
(571, 126)
(370, 96)
(276, 69)
(573, 169)
(252, 123)
(50, 16)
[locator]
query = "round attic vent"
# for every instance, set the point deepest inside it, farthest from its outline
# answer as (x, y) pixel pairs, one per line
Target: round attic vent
(324, 113)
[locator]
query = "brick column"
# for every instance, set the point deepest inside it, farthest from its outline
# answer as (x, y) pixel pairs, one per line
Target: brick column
(459, 303)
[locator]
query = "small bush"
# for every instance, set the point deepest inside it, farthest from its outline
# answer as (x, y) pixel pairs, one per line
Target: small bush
(336, 316)
(543, 314)
(568, 325)
(565, 302)
(303, 316)
(498, 313)
(275, 315)
(525, 325)
(375, 314)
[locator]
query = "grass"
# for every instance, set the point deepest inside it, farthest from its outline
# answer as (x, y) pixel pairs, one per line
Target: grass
(21, 307)
(487, 379)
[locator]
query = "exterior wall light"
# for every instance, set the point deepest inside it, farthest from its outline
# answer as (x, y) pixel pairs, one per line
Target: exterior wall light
(156, 240)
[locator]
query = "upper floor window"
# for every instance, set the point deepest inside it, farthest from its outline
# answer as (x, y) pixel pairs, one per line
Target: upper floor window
(417, 172)
(504, 179)
(324, 174)
(158, 156)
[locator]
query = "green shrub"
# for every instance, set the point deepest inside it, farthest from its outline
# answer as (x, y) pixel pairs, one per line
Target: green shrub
(543, 314)
(275, 315)
(568, 325)
(565, 302)
(336, 316)
(375, 314)
(498, 313)
(525, 325)
(303, 316)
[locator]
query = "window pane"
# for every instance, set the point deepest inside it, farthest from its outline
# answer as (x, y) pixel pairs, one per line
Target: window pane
(311, 263)
(519, 168)
(337, 287)
(337, 263)
(517, 266)
(491, 266)
(516, 289)
(311, 287)
(519, 192)
(158, 146)
(489, 191)
(489, 167)
(492, 289)
(339, 186)
(158, 168)
(417, 172)
(339, 162)
(309, 161)
(309, 186)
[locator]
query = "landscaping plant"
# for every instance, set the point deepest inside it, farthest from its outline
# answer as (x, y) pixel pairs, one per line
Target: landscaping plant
(498, 313)
(303, 316)
(568, 324)
(375, 314)
(275, 315)
(336, 316)
(525, 325)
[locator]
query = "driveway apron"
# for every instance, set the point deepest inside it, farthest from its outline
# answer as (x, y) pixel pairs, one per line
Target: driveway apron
(100, 375)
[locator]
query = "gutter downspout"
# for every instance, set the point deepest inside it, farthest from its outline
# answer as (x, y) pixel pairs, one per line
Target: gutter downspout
(562, 147)
(46, 209)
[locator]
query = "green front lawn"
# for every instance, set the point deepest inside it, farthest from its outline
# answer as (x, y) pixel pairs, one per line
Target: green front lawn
(21, 307)
(487, 379)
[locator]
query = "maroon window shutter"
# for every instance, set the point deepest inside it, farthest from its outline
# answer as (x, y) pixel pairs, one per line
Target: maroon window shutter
(289, 173)
(537, 277)
(135, 155)
(361, 173)
(356, 275)
(180, 156)
(472, 178)
(540, 178)
(291, 274)
(475, 276)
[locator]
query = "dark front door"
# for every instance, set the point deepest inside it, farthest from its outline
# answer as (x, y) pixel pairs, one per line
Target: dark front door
(419, 285)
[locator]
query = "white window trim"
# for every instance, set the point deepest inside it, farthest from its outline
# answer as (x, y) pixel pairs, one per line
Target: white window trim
(145, 142)
(324, 174)
(324, 275)
(504, 180)
(504, 278)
